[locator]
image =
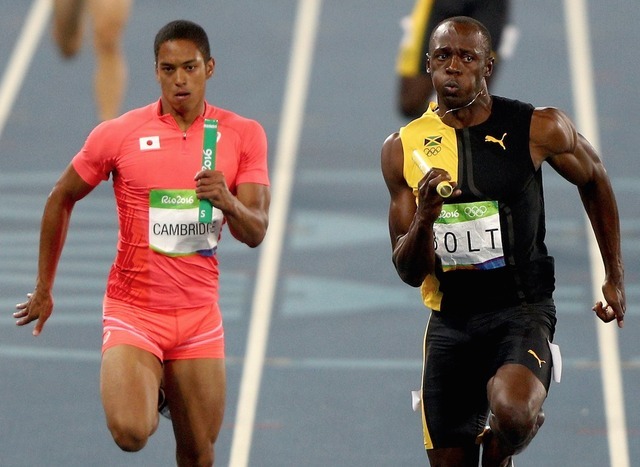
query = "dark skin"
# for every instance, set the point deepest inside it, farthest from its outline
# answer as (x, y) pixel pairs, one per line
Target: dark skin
(459, 64)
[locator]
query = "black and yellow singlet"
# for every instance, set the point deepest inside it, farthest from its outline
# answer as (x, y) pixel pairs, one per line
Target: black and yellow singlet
(490, 240)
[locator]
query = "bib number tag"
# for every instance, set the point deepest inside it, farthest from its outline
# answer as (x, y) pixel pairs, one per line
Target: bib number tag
(468, 236)
(174, 229)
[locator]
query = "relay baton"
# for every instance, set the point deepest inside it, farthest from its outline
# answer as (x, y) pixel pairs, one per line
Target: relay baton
(444, 188)
(209, 142)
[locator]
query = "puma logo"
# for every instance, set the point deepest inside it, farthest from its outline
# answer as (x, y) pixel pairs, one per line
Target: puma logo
(491, 139)
(540, 362)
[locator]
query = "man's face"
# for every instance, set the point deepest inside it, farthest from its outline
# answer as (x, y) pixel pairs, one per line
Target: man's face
(458, 62)
(182, 73)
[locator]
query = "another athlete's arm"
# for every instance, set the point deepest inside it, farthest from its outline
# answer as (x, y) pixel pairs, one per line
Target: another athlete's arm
(554, 138)
(53, 232)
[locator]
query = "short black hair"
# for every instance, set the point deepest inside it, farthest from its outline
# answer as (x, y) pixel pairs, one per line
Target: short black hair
(183, 29)
(482, 29)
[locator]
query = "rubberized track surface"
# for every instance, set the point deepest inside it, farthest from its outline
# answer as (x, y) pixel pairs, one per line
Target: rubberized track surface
(344, 334)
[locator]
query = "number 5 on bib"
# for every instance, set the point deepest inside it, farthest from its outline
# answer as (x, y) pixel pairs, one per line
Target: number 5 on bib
(209, 142)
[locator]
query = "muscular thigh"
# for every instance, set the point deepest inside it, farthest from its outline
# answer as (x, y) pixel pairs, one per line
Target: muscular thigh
(129, 381)
(455, 375)
(196, 390)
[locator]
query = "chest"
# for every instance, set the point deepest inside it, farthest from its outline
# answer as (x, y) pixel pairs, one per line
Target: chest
(171, 159)
(494, 161)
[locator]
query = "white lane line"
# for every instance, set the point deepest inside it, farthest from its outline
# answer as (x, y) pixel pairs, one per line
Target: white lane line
(302, 46)
(34, 25)
(579, 50)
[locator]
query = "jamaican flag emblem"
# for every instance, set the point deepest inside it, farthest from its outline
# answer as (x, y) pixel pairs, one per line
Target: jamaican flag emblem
(432, 145)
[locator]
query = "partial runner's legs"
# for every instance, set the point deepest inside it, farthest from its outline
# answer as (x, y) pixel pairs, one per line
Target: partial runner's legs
(129, 383)
(195, 390)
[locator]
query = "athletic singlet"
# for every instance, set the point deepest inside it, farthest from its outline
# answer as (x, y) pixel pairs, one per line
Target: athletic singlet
(150, 158)
(490, 240)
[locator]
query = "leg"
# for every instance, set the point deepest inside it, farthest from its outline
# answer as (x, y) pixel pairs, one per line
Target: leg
(454, 457)
(454, 399)
(414, 95)
(129, 382)
(109, 20)
(195, 390)
(67, 26)
(515, 397)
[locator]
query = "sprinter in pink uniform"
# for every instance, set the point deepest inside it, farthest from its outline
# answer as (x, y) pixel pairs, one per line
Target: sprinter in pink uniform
(163, 330)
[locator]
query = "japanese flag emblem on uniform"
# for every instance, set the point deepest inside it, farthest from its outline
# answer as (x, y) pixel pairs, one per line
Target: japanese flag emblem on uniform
(149, 142)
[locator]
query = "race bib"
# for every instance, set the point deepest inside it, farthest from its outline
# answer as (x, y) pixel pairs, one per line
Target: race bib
(468, 236)
(174, 227)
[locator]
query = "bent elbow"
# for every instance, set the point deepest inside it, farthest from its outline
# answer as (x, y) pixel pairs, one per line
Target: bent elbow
(409, 278)
(412, 281)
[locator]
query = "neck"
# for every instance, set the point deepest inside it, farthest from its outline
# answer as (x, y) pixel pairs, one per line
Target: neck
(184, 118)
(468, 104)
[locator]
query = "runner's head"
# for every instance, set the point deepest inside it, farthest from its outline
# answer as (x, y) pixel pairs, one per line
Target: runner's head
(183, 29)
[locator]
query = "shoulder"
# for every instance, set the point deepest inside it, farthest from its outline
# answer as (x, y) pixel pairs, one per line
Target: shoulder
(110, 136)
(392, 159)
(391, 144)
(127, 122)
(515, 109)
(552, 130)
(234, 120)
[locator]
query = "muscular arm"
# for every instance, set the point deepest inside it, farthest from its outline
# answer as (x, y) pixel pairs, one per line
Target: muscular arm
(555, 139)
(53, 233)
(247, 213)
(410, 227)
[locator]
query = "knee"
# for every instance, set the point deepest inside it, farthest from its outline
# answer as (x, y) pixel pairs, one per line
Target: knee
(107, 39)
(516, 424)
(128, 437)
(67, 46)
(196, 458)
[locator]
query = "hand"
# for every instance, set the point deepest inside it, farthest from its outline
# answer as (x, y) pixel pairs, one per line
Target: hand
(212, 185)
(615, 305)
(35, 308)
(430, 202)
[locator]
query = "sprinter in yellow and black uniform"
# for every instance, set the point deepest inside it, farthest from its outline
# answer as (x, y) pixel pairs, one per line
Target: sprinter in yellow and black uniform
(414, 86)
(479, 255)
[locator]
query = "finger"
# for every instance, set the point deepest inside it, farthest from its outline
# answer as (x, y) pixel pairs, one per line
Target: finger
(620, 318)
(22, 305)
(24, 320)
(20, 314)
(39, 325)
(602, 313)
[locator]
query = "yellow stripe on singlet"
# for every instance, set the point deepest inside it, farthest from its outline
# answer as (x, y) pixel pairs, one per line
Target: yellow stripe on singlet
(438, 143)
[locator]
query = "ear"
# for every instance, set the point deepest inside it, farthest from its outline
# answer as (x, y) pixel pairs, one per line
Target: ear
(488, 67)
(428, 65)
(210, 67)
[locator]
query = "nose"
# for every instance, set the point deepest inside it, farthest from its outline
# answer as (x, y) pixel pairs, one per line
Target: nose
(180, 76)
(453, 66)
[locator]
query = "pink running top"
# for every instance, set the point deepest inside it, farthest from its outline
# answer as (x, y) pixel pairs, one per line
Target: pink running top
(144, 151)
